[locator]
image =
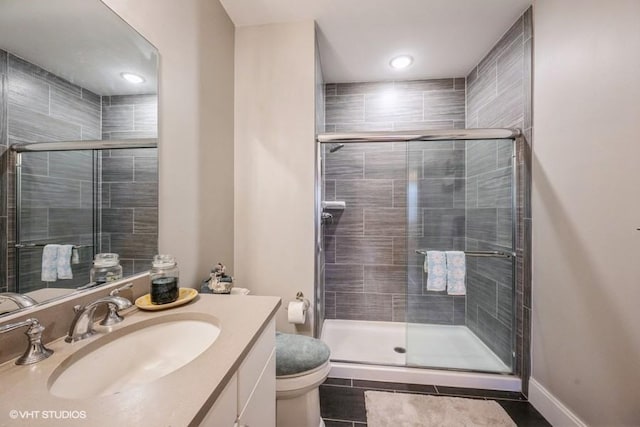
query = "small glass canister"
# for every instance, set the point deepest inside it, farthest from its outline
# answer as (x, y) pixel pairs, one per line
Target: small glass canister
(164, 280)
(106, 268)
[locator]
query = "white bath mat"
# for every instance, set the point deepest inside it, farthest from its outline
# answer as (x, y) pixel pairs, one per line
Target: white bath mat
(415, 410)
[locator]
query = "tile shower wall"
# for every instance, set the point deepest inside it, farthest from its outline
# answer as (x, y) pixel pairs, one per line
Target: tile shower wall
(367, 266)
(57, 186)
(129, 182)
(4, 154)
(499, 95)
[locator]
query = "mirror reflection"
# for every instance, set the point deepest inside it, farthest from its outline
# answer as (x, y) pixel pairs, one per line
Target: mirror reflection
(73, 73)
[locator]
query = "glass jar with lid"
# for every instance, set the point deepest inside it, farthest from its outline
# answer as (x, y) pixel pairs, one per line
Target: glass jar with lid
(164, 279)
(106, 268)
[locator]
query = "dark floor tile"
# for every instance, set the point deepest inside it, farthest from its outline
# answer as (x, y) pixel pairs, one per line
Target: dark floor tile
(492, 394)
(338, 381)
(464, 397)
(342, 403)
(523, 414)
(331, 423)
(379, 385)
(343, 406)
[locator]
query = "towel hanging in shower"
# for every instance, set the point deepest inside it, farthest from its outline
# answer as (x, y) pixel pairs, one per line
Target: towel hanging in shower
(50, 263)
(63, 266)
(56, 262)
(436, 264)
(456, 272)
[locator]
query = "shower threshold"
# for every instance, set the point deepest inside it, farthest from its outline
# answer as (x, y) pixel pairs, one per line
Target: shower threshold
(435, 354)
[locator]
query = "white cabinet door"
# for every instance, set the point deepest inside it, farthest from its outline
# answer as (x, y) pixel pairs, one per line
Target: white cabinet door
(253, 366)
(260, 410)
(224, 411)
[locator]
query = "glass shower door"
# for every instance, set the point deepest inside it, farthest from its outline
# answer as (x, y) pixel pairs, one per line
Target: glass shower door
(55, 203)
(460, 214)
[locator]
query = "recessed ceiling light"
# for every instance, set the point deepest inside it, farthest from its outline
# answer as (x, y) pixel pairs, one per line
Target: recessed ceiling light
(400, 62)
(132, 78)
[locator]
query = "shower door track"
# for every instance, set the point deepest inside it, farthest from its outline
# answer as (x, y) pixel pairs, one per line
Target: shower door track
(427, 135)
(30, 147)
(426, 376)
(436, 368)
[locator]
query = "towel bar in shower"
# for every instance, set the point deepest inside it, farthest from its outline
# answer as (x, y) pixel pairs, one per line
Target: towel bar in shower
(42, 245)
(497, 254)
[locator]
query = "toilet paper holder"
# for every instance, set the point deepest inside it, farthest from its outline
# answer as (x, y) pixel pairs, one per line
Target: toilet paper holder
(298, 309)
(300, 297)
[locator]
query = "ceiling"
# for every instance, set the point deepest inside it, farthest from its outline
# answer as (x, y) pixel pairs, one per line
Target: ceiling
(358, 38)
(82, 41)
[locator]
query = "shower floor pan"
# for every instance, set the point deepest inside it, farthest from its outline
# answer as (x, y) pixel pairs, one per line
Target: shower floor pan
(373, 350)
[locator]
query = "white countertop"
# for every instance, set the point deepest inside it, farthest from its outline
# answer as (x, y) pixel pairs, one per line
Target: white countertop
(179, 399)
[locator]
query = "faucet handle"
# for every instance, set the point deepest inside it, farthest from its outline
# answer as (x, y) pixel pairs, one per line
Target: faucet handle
(36, 351)
(112, 317)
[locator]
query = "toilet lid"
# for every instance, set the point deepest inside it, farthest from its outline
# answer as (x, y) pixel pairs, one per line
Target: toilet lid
(298, 353)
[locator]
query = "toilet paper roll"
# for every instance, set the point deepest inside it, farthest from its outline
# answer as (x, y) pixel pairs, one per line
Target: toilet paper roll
(297, 312)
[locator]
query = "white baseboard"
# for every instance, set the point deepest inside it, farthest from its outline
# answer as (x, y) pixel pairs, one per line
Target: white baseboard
(551, 408)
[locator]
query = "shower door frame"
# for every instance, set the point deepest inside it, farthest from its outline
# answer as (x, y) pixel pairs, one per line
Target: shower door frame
(513, 134)
(96, 146)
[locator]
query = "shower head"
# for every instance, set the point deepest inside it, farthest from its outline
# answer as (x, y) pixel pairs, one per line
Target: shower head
(335, 148)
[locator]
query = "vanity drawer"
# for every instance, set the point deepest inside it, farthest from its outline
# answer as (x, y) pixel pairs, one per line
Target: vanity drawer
(224, 412)
(255, 363)
(260, 409)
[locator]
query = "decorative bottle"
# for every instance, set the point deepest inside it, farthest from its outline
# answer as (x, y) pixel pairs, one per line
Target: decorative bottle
(106, 268)
(164, 280)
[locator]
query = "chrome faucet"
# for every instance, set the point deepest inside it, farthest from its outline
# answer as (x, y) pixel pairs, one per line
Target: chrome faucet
(20, 300)
(82, 323)
(36, 351)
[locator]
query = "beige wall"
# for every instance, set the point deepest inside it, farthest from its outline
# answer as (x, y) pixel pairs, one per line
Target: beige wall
(586, 207)
(196, 41)
(274, 162)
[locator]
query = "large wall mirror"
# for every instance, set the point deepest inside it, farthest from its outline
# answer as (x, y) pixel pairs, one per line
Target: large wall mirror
(78, 147)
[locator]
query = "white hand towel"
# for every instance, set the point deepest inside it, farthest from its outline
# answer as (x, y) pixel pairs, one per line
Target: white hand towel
(63, 265)
(436, 270)
(456, 272)
(50, 263)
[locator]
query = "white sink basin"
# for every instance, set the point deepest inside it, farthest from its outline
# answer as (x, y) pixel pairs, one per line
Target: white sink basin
(132, 356)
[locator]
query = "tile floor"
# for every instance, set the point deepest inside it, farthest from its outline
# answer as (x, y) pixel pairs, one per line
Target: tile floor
(342, 401)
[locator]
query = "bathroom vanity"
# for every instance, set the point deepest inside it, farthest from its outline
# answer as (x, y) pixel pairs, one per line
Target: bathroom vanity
(112, 377)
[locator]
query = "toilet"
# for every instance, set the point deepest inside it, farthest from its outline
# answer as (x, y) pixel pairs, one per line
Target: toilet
(302, 364)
